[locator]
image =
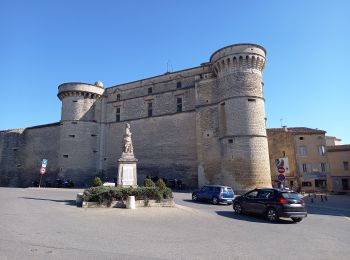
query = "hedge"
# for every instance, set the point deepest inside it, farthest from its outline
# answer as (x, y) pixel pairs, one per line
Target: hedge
(105, 195)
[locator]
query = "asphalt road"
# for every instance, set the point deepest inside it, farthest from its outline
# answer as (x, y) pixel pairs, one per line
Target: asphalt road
(45, 224)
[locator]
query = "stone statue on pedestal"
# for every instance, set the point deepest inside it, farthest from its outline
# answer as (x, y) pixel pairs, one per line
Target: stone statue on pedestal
(127, 170)
(128, 149)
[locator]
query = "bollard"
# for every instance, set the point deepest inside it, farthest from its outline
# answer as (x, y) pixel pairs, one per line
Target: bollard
(325, 197)
(321, 198)
(130, 202)
(309, 195)
(312, 200)
(79, 200)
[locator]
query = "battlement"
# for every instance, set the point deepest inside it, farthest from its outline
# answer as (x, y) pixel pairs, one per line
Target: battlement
(80, 89)
(238, 57)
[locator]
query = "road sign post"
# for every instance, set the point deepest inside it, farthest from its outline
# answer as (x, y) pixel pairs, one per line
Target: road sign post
(42, 169)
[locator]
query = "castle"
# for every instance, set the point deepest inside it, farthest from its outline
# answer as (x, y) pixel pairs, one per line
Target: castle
(203, 125)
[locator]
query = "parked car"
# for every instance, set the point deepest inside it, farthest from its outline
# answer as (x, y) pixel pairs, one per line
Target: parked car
(273, 203)
(214, 194)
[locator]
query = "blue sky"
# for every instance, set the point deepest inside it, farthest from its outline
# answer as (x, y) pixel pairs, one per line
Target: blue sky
(46, 43)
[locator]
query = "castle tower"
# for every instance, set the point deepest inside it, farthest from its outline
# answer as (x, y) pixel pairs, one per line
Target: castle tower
(80, 129)
(240, 132)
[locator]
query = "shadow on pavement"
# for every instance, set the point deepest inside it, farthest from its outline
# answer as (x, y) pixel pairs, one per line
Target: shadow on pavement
(324, 211)
(203, 202)
(67, 202)
(251, 218)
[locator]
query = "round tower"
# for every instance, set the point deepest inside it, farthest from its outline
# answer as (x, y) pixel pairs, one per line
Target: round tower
(79, 133)
(245, 156)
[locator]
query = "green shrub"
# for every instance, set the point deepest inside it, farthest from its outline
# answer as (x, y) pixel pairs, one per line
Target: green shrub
(167, 193)
(97, 182)
(106, 195)
(148, 183)
(161, 185)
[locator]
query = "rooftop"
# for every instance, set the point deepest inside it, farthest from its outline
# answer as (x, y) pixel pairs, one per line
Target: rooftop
(297, 130)
(338, 148)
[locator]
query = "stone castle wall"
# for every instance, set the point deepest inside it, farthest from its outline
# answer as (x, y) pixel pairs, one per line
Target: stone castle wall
(218, 137)
(21, 152)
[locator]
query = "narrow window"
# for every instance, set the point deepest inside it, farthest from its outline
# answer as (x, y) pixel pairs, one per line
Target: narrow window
(93, 135)
(74, 101)
(323, 167)
(251, 99)
(179, 104)
(95, 151)
(65, 156)
(230, 141)
(150, 90)
(72, 136)
(302, 151)
(179, 84)
(346, 166)
(301, 138)
(304, 167)
(117, 117)
(150, 109)
(74, 123)
(321, 150)
(118, 97)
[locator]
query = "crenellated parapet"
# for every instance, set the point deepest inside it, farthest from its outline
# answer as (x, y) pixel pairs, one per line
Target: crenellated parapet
(80, 89)
(238, 57)
(78, 100)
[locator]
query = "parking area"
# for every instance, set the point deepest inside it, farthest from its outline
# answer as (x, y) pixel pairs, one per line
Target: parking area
(45, 224)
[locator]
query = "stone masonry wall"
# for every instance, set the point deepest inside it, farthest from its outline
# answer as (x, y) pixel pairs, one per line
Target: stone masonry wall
(165, 147)
(22, 151)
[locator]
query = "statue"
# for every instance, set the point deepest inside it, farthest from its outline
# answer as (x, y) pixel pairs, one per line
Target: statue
(127, 142)
(127, 169)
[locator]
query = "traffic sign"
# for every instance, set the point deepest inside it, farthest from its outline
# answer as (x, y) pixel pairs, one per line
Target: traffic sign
(281, 169)
(281, 177)
(44, 163)
(42, 170)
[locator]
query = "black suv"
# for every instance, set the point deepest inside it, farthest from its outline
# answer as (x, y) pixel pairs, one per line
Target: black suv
(273, 203)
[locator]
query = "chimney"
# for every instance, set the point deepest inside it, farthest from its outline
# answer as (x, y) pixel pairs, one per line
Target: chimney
(285, 128)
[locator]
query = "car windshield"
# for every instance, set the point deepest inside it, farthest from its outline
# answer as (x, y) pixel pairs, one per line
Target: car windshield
(291, 195)
(228, 189)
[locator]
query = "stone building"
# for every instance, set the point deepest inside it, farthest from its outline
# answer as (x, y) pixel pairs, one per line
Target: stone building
(305, 150)
(203, 125)
(339, 160)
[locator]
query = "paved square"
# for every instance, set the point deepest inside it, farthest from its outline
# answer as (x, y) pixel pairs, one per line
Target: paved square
(45, 224)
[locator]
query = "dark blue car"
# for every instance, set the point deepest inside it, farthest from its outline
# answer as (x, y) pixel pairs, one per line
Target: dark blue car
(214, 194)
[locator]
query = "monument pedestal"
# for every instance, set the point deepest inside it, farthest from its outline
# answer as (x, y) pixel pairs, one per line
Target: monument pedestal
(127, 171)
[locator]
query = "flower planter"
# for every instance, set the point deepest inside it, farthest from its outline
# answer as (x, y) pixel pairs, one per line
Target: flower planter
(138, 204)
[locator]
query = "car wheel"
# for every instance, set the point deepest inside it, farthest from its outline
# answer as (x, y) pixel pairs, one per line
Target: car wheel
(297, 219)
(215, 200)
(194, 197)
(237, 208)
(272, 215)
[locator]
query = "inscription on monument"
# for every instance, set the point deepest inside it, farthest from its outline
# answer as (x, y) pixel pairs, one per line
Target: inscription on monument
(127, 175)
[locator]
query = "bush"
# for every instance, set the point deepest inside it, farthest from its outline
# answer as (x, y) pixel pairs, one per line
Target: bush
(106, 195)
(167, 193)
(97, 182)
(161, 185)
(148, 183)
